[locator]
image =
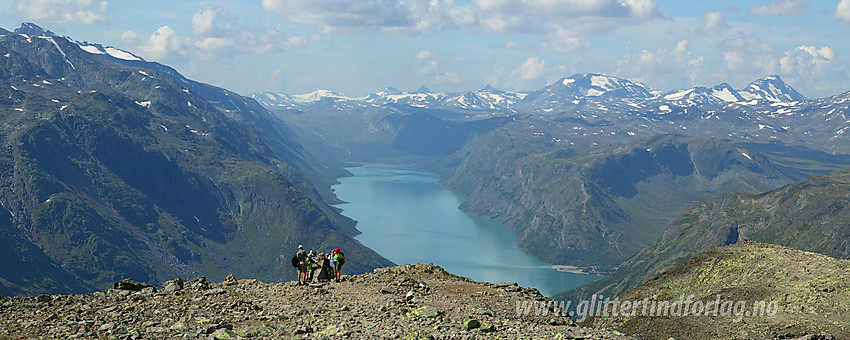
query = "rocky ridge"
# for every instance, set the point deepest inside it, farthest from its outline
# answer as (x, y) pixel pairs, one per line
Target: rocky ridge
(410, 301)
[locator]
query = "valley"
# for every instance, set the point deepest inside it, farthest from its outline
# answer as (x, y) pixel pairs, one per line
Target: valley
(117, 167)
(591, 169)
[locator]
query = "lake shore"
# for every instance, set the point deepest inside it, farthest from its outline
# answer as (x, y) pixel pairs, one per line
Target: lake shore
(570, 269)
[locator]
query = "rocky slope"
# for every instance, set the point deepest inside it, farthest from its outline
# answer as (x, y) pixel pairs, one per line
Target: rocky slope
(811, 215)
(805, 295)
(410, 301)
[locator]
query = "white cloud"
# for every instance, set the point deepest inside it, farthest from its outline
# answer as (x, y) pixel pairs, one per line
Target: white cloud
(210, 48)
(532, 68)
(164, 44)
(265, 38)
(423, 54)
(129, 36)
(714, 22)
(807, 60)
(564, 40)
(663, 68)
(388, 16)
(447, 78)
(842, 12)
(75, 12)
(215, 34)
(572, 8)
(782, 7)
(492, 16)
(211, 22)
(428, 62)
(750, 54)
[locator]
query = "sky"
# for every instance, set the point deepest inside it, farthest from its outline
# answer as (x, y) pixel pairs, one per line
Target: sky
(358, 47)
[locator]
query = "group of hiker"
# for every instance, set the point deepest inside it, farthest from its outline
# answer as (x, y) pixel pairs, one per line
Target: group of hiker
(328, 265)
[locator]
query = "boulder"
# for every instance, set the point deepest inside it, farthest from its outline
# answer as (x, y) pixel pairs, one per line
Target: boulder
(129, 284)
(230, 280)
(170, 287)
(425, 312)
(199, 283)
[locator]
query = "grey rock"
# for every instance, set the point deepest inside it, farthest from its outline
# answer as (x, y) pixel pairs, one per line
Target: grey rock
(303, 330)
(199, 283)
(214, 291)
(230, 280)
(130, 284)
(170, 287)
(210, 329)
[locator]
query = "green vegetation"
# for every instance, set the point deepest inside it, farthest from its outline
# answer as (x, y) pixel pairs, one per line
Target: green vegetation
(808, 292)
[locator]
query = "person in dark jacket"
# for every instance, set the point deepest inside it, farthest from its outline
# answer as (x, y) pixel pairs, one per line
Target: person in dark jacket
(324, 268)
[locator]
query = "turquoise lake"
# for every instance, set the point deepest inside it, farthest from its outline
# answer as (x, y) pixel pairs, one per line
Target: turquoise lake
(406, 216)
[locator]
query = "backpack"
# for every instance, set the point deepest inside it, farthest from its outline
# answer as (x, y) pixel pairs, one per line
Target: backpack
(295, 261)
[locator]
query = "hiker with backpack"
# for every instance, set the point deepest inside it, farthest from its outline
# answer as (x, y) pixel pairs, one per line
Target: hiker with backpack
(339, 260)
(301, 255)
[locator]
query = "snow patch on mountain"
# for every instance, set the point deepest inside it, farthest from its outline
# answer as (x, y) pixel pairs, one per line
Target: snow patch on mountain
(120, 54)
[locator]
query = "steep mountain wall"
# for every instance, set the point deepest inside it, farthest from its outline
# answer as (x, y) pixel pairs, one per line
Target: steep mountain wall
(114, 169)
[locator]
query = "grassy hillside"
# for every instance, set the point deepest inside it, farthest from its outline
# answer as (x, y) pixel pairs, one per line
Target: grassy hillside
(804, 293)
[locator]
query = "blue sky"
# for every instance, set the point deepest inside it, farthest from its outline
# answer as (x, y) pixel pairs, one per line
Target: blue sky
(362, 46)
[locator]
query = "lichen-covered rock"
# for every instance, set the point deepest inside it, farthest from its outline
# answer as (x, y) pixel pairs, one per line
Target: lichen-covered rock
(173, 286)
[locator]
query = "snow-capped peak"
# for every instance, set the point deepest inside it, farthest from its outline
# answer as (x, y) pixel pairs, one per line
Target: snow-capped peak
(722, 93)
(389, 91)
(29, 28)
(600, 85)
(316, 96)
(571, 90)
(271, 99)
(771, 88)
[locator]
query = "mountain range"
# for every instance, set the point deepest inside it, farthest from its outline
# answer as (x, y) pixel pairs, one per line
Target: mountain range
(561, 94)
(116, 167)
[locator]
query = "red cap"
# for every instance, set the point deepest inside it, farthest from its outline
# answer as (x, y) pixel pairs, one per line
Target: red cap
(336, 250)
